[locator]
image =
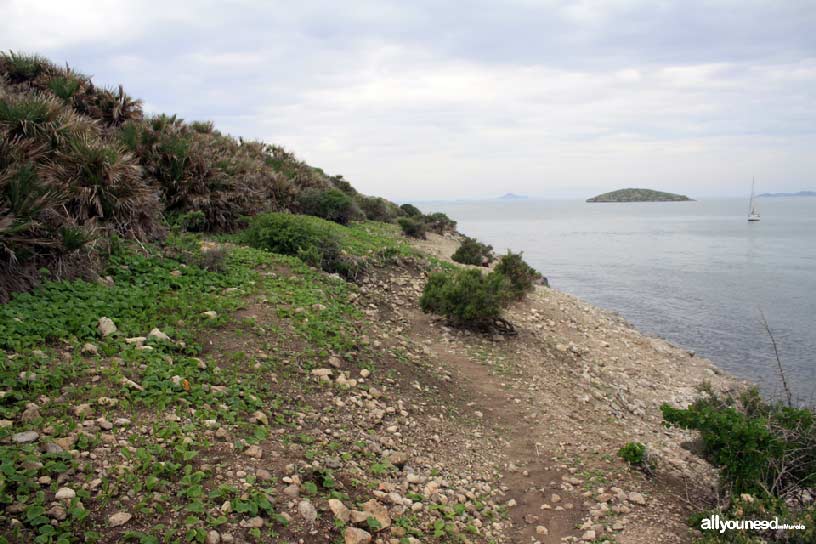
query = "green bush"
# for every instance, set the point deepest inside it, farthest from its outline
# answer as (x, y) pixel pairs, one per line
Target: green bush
(378, 209)
(520, 275)
(440, 223)
(759, 447)
(466, 297)
(331, 204)
(633, 453)
(311, 239)
(473, 252)
(411, 210)
(412, 227)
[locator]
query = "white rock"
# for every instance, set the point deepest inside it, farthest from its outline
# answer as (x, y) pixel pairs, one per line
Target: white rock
(65, 494)
(354, 535)
(307, 511)
(157, 334)
(106, 326)
(118, 519)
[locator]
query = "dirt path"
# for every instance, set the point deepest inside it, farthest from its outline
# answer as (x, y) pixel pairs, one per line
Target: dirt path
(530, 472)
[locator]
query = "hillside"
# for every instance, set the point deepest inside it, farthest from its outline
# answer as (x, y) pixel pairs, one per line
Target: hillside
(638, 195)
(80, 164)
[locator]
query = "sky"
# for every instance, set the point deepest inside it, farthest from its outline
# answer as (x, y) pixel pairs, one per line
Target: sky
(421, 100)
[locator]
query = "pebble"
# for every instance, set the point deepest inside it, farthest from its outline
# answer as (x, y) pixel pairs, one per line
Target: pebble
(25, 437)
(118, 519)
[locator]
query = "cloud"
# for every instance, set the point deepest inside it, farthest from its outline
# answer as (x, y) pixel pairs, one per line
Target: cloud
(429, 99)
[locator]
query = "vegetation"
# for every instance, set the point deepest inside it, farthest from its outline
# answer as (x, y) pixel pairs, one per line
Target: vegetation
(638, 195)
(80, 164)
(412, 227)
(332, 204)
(766, 453)
(473, 252)
(469, 298)
(520, 275)
(440, 223)
(411, 210)
(466, 297)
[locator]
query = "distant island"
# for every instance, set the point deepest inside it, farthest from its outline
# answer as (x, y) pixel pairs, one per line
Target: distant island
(800, 193)
(639, 195)
(512, 196)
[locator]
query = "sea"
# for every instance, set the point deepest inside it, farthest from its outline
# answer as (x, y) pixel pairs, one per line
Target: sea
(695, 273)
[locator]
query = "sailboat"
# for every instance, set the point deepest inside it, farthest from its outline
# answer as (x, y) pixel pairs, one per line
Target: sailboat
(753, 213)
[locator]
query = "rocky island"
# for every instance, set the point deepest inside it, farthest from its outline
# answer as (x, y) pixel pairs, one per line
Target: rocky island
(639, 195)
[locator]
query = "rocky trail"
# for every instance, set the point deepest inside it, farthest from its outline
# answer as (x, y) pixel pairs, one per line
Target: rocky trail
(320, 411)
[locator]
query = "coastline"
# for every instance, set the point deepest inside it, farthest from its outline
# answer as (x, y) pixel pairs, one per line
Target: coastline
(593, 382)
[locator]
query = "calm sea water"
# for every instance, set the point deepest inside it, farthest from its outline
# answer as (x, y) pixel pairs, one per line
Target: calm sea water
(695, 273)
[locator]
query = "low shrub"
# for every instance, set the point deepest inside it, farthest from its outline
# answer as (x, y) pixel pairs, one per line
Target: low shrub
(473, 252)
(521, 276)
(760, 448)
(412, 227)
(411, 210)
(440, 223)
(331, 204)
(378, 209)
(633, 453)
(311, 239)
(466, 297)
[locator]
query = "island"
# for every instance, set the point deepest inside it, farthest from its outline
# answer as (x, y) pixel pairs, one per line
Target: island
(639, 195)
(775, 195)
(512, 196)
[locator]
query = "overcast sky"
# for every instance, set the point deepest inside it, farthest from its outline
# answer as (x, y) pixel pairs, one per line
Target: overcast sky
(423, 100)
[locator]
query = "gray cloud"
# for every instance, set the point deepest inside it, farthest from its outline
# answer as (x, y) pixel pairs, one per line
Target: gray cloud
(442, 99)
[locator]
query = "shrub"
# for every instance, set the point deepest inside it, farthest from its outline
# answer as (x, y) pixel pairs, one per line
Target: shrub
(520, 275)
(760, 448)
(472, 252)
(635, 454)
(378, 209)
(309, 238)
(411, 210)
(331, 204)
(412, 227)
(440, 223)
(466, 297)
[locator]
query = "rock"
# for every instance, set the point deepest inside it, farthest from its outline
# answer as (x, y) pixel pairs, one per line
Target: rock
(307, 511)
(339, 510)
(263, 475)
(25, 437)
(82, 410)
(253, 523)
(213, 537)
(541, 530)
(335, 361)
(637, 498)
(65, 442)
(365, 373)
(118, 519)
(354, 535)
(291, 491)
(65, 494)
(260, 418)
(210, 314)
(89, 349)
(379, 512)
(398, 459)
(57, 512)
(31, 413)
(322, 372)
(588, 536)
(254, 451)
(106, 326)
(157, 334)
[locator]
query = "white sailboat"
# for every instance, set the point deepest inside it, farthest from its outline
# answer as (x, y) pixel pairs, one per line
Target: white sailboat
(753, 213)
